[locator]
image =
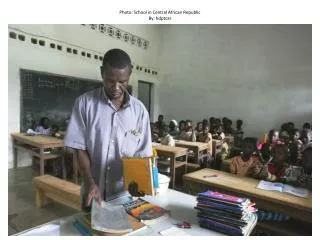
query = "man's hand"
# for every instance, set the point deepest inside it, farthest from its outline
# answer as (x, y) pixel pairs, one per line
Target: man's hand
(94, 193)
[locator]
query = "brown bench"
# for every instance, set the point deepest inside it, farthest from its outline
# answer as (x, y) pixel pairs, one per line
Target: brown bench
(57, 190)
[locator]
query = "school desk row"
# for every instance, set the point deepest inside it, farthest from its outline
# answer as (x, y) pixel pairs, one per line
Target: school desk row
(36, 146)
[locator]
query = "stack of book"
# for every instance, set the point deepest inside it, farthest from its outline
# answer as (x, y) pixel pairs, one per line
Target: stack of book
(228, 214)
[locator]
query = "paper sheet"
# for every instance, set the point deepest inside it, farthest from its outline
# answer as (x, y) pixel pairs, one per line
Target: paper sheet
(46, 230)
(173, 231)
(109, 218)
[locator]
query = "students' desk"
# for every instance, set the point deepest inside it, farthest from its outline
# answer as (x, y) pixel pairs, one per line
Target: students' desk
(173, 153)
(290, 205)
(181, 208)
(196, 147)
(36, 145)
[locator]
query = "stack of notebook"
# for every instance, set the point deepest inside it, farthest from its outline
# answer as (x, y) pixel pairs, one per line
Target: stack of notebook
(228, 214)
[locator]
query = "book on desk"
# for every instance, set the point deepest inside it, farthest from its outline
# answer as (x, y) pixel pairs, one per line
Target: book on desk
(229, 214)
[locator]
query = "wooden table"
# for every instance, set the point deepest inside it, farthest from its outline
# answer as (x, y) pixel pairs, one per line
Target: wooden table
(196, 147)
(290, 205)
(36, 146)
(173, 153)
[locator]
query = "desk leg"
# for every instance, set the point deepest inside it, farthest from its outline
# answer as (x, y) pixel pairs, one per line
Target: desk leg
(64, 167)
(41, 161)
(197, 154)
(173, 170)
(15, 155)
(186, 166)
(75, 166)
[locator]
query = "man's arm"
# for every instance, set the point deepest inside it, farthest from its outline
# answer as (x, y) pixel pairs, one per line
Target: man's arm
(76, 139)
(144, 148)
(85, 166)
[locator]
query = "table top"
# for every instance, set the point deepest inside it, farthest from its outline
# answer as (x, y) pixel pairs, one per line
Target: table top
(181, 208)
(37, 140)
(248, 186)
(178, 151)
(200, 145)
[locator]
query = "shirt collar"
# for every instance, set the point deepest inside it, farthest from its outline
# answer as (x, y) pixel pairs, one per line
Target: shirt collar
(127, 98)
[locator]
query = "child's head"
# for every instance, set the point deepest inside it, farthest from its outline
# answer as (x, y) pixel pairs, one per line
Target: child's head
(306, 126)
(199, 126)
(284, 136)
(296, 134)
(188, 125)
(211, 120)
(182, 125)
(239, 124)
(205, 129)
(249, 146)
(280, 153)
(45, 122)
(173, 124)
(160, 118)
(163, 131)
(205, 122)
(273, 135)
(305, 136)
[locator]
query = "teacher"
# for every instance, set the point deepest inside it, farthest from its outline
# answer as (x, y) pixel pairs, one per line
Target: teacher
(107, 124)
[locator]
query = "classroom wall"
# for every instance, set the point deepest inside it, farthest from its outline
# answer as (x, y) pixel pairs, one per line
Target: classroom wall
(258, 73)
(35, 57)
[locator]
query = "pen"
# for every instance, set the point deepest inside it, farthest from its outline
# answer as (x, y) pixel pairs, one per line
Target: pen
(210, 176)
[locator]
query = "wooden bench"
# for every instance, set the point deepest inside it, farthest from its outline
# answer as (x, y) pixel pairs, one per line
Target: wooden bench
(57, 190)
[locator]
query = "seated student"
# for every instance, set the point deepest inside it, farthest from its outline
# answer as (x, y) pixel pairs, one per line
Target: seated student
(205, 136)
(160, 123)
(44, 126)
(295, 147)
(272, 140)
(189, 133)
(218, 133)
(155, 135)
(290, 129)
(205, 122)
(238, 134)
(173, 128)
(228, 127)
(243, 164)
(199, 129)
(166, 138)
(182, 126)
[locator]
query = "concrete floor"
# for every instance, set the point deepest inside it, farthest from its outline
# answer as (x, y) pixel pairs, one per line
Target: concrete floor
(22, 211)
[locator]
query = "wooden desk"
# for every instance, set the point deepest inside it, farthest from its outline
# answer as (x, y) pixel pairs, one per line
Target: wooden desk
(36, 146)
(196, 147)
(290, 205)
(173, 153)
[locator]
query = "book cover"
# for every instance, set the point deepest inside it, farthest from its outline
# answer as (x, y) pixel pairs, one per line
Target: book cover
(146, 212)
(223, 197)
(138, 176)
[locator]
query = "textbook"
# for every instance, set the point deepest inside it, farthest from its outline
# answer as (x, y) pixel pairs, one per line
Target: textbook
(138, 176)
(146, 212)
(280, 187)
(109, 218)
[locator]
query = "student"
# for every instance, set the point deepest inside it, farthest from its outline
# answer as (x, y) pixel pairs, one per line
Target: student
(173, 128)
(238, 135)
(205, 136)
(155, 134)
(166, 138)
(228, 127)
(205, 122)
(218, 133)
(189, 134)
(272, 140)
(279, 170)
(295, 147)
(199, 129)
(44, 126)
(243, 164)
(106, 125)
(182, 125)
(160, 123)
